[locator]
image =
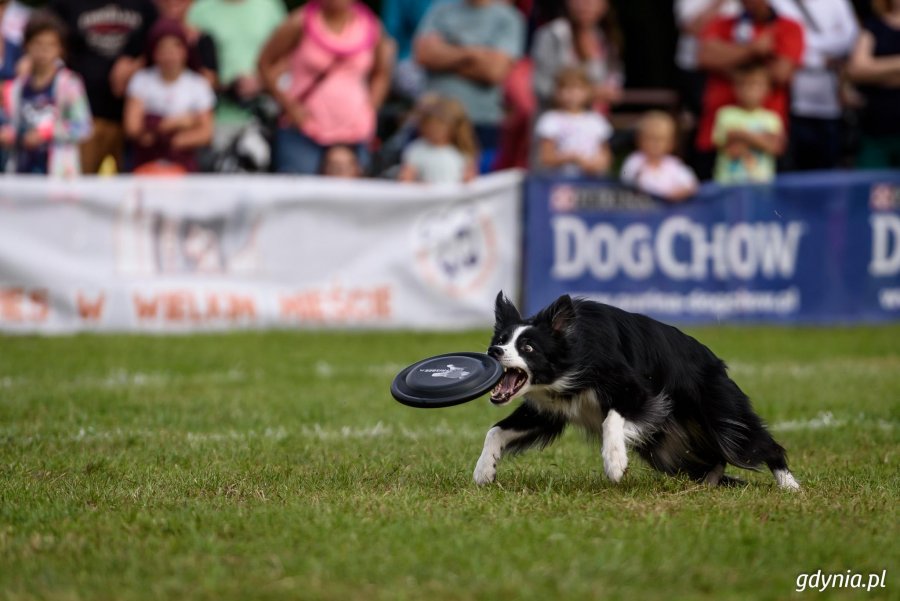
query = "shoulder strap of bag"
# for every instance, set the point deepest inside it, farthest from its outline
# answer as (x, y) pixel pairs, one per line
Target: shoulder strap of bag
(318, 79)
(322, 75)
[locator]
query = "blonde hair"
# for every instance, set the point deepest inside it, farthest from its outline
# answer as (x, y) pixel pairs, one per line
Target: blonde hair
(574, 75)
(651, 118)
(452, 112)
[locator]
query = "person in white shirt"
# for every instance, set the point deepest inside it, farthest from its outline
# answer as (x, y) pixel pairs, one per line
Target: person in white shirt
(168, 107)
(830, 30)
(572, 138)
(652, 168)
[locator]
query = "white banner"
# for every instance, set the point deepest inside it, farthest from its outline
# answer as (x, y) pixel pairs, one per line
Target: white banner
(223, 252)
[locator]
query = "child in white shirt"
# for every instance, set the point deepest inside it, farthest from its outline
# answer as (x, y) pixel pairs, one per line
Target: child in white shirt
(652, 168)
(168, 106)
(572, 137)
(445, 151)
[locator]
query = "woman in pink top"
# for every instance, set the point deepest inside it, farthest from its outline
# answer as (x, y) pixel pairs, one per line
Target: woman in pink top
(338, 68)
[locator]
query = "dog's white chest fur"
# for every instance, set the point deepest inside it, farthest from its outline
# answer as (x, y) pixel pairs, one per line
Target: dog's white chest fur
(582, 409)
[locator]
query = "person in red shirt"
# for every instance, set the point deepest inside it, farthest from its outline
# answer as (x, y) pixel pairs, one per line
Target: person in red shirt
(758, 34)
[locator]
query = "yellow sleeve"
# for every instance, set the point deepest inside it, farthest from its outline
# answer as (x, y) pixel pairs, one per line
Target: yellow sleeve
(724, 122)
(773, 123)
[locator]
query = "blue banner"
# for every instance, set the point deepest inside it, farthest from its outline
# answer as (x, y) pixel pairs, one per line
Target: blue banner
(811, 248)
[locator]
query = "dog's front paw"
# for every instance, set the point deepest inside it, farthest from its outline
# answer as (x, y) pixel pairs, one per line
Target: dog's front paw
(615, 462)
(485, 471)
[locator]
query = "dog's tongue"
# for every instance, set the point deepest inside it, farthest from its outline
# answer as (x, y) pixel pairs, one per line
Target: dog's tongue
(506, 387)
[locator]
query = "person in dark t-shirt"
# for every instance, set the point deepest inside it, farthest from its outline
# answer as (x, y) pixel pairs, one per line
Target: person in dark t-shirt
(875, 67)
(106, 37)
(202, 55)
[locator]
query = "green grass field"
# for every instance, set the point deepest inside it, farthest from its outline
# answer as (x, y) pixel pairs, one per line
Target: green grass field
(277, 466)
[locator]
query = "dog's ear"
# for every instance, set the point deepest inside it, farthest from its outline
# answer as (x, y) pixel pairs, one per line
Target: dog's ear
(505, 313)
(560, 314)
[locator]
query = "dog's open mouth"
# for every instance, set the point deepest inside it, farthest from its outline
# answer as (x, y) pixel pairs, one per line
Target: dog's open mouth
(512, 382)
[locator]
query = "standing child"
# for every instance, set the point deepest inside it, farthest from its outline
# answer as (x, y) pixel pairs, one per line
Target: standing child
(652, 168)
(572, 137)
(445, 150)
(48, 108)
(748, 137)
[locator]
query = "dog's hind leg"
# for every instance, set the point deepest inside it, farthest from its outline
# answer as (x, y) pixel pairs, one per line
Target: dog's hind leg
(524, 428)
(777, 462)
(760, 447)
(740, 433)
(731, 481)
(714, 476)
(757, 446)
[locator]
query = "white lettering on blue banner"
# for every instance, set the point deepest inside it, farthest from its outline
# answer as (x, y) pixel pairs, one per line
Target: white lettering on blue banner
(885, 245)
(719, 251)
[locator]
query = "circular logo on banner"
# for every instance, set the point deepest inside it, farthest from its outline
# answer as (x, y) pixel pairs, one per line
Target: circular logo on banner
(884, 197)
(455, 249)
(563, 199)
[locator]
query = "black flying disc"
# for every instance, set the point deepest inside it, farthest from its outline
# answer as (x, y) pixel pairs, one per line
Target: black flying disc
(446, 380)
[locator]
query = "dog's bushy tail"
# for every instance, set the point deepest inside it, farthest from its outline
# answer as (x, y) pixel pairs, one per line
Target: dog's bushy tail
(738, 431)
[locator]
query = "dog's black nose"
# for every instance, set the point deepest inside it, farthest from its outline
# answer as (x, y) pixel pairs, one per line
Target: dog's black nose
(495, 351)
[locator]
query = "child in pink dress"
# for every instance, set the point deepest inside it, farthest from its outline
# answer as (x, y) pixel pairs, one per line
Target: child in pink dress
(652, 167)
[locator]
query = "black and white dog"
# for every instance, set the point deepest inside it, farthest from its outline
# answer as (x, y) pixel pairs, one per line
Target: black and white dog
(630, 380)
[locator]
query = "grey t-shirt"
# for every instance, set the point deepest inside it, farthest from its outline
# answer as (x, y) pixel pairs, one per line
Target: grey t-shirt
(495, 25)
(435, 164)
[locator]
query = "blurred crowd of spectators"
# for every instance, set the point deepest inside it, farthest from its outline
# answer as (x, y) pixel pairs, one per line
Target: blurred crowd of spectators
(440, 90)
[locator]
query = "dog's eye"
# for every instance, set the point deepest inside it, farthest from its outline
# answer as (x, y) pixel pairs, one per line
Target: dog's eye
(526, 348)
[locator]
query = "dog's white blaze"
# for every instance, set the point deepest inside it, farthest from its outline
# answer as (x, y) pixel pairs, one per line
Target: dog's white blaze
(785, 479)
(511, 356)
(615, 455)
